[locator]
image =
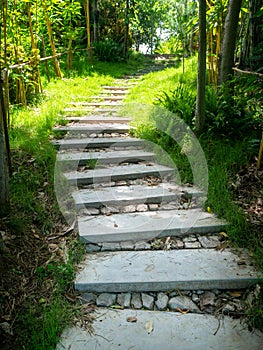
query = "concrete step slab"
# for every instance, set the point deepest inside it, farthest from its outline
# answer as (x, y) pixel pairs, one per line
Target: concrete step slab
(147, 225)
(166, 330)
(104, 142)
(88, 109)
(131, 172)
(185, 269)
(94, 128)
(126, 195)
(106, 98)
(96, 104)
(116, 87)
(107, 157)
(98, 119)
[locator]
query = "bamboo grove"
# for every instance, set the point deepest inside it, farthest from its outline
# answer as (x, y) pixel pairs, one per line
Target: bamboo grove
(33, 31)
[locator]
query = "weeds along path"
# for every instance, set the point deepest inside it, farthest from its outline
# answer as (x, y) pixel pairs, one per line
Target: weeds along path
(157, 270)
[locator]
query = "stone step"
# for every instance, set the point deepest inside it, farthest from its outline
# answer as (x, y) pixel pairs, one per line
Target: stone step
(106, 97)
(156, 330)
(126, 195)
(98, 119)
(115, 92)
(95, 104)
(94, 128)
(116, 87)
(89, 109)
(150, 271)
(147, 225)
(110, 157)
(103, 142)
(116, 173)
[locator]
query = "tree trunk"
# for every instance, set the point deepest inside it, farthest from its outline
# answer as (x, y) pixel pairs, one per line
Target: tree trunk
(88, 30)
(4, 174)
(229, 41)
(126, 35)
(200, 98)
(95, 20)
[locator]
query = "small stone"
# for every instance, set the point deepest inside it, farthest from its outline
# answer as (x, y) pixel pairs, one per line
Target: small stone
(88, 297)
(228, 308)
(106, 299)
(153, 207)
(100, 135)
(168, 207)
(109, 210)
(142, 207)
(192, 245)
(93, 135)
(142, 245)
(129, 209)
(199, 292)
(208, 242)
(162, 301)
(174, 294)
(92, 248)
(147, 301)
(185, 206)
(207, 299)
(195, 298)
(190, 239)
(179, 244)
(182, 303)
(127, 245)
(136, 301)
(110, 246)
(121, 183)
(89, 211)
(124, 299)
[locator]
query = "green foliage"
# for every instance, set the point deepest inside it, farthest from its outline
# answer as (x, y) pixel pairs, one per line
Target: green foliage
(235, 110)
(109, 51)
(180, 101)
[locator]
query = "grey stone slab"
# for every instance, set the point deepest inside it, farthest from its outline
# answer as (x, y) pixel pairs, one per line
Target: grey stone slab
(147, 225)
(170, 331)
(98, 119)
(126, 195)
(109, 157)
(116, 87)
(185, 269)
(94, 128)
(105, 142)
(116, 173)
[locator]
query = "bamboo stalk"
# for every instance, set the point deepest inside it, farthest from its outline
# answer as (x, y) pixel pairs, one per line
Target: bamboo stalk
(260, 153)
(51, 39)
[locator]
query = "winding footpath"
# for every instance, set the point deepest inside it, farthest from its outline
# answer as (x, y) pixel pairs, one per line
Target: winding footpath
(157, 268)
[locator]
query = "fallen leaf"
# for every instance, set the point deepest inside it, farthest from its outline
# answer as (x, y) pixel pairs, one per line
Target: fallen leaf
(181, 311)
(209, 210)
(115, 225)
(235, 294)
(117, 307)
(149, 326)
(223, 234)
(131, 319)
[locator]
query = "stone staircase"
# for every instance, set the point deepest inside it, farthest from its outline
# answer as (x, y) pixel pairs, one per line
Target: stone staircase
(156, 267)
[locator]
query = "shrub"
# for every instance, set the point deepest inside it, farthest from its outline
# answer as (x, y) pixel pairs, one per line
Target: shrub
(109, 51)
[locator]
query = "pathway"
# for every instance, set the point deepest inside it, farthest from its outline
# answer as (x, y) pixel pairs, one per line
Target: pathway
(154, 265)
